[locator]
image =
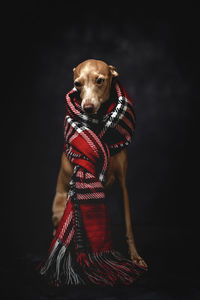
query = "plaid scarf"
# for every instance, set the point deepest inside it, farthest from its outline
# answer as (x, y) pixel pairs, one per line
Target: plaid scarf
(81, 251)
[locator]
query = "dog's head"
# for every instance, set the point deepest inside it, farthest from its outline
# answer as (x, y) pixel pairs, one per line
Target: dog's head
(93, 79)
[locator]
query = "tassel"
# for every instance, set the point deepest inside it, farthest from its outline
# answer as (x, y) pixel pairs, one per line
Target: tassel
(72, 278)
(111, 268)
(83, 258)
(58, 261)
(58, 268)
(105, 268)
(44, 268)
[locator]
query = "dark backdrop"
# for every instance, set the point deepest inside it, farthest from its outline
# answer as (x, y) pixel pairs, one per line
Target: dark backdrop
(156, 56)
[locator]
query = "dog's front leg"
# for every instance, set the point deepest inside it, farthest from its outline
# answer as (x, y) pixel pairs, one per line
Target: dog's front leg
(122, 163)
(62, 189)
(135, 257)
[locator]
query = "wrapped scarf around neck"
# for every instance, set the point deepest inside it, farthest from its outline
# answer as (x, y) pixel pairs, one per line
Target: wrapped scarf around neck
(81, 251)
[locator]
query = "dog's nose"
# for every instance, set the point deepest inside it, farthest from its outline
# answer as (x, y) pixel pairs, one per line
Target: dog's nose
(88, 108)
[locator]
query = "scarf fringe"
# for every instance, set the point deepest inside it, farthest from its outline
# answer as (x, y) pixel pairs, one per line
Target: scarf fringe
(105, 268)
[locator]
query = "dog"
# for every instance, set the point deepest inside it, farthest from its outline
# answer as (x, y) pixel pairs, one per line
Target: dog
(93, 79)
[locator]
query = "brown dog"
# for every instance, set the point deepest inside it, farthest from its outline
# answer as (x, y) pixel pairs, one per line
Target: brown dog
(93, 79)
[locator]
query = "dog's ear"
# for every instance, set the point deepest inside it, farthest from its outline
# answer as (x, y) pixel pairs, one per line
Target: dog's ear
(113, 72)
(74, 69)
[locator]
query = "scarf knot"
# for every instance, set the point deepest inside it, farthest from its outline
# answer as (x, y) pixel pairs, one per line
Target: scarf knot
(91, 139)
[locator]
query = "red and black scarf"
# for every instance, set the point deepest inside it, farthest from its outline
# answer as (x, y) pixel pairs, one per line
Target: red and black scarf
(81, 251)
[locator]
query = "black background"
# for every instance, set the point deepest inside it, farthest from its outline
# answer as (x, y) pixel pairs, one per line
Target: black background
(156, 55)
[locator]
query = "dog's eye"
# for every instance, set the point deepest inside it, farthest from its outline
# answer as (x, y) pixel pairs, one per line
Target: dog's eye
(77, 83)
(100, 80)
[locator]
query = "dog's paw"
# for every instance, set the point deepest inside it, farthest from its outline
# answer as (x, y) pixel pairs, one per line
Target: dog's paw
(137, 259)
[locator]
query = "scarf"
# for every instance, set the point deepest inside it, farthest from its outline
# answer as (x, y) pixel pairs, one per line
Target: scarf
(82, 251)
